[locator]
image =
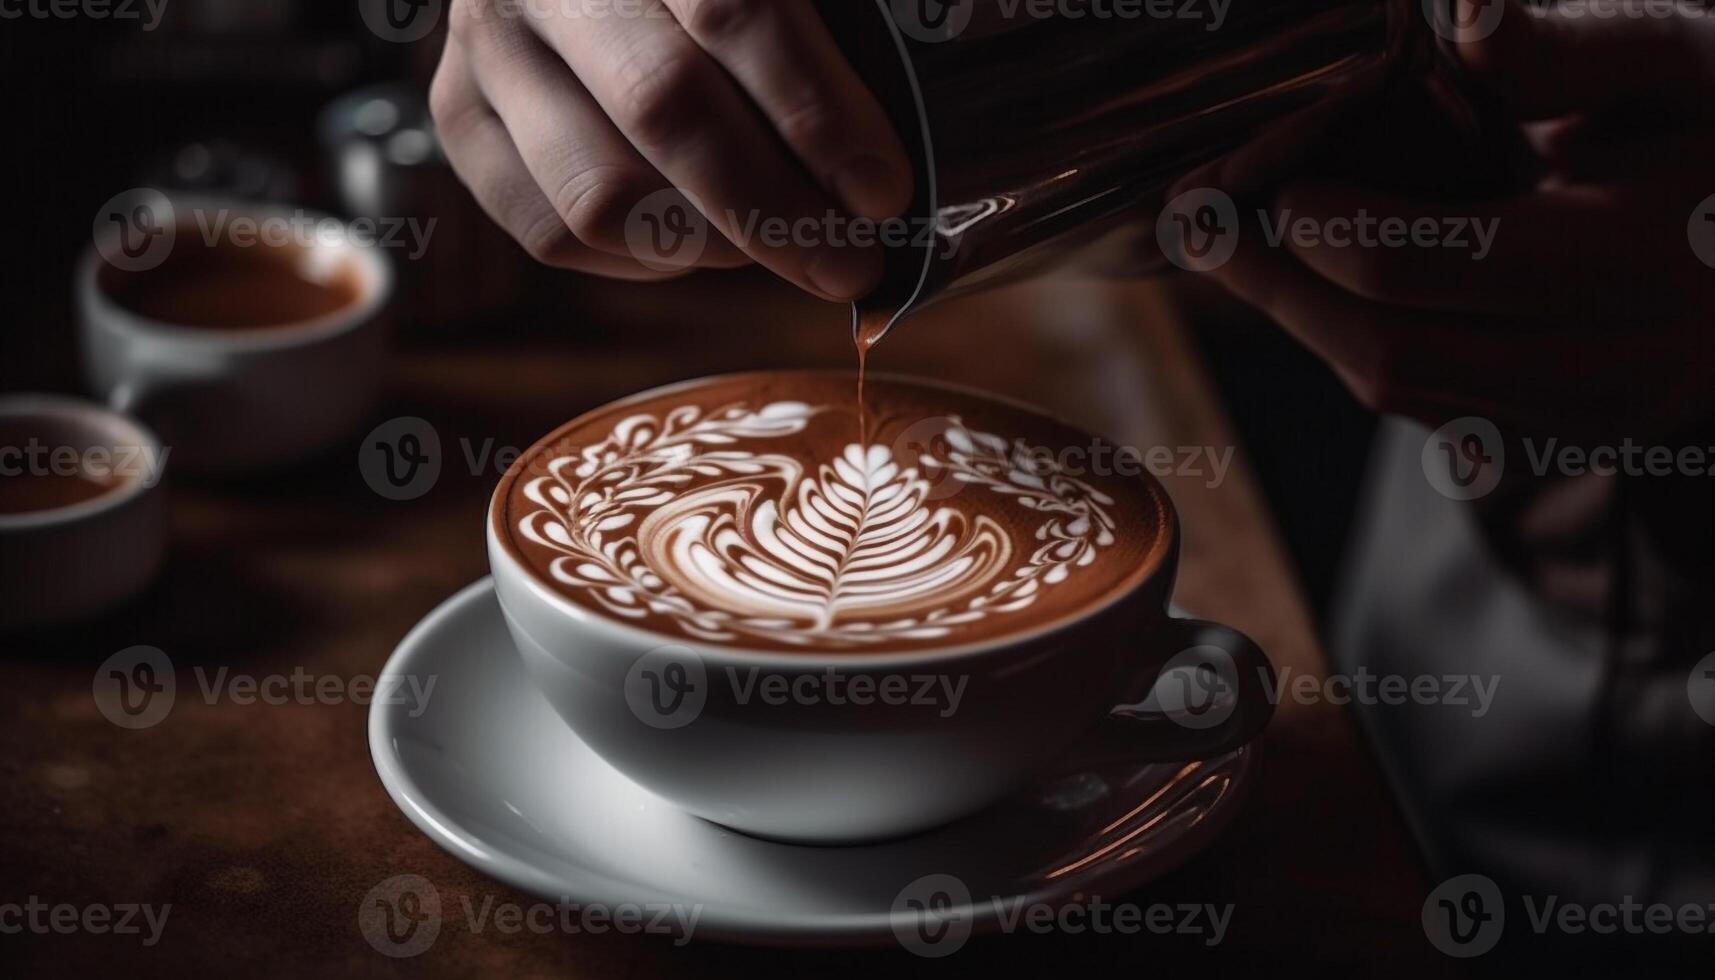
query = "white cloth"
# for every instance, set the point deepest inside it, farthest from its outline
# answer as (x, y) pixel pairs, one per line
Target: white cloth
(1585, 776)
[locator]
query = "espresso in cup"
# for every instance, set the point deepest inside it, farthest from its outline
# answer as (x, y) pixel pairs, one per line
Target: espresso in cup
(82, 519)
(42, 469)
(254, 341)
(231, 287)
(750, 511)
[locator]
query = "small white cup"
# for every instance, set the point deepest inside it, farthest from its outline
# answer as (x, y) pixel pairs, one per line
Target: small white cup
(240, 399)
(77, 560)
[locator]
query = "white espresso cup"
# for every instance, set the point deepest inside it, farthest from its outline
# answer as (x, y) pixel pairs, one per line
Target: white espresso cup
(677, 717)
(79, 558)
(235, 398)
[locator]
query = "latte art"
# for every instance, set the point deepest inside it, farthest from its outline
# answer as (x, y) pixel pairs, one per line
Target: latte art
(855, 543)
(716, 522)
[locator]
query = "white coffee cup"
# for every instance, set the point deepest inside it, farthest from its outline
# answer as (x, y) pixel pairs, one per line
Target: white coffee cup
(77, 560)
(674, 715)
(241, 399)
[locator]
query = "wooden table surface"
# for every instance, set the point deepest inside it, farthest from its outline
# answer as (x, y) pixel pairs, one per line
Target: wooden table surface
(265, 825)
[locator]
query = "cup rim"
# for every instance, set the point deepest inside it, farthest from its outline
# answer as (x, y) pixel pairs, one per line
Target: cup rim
(377, 272)
(112, 426)
(1148, 570)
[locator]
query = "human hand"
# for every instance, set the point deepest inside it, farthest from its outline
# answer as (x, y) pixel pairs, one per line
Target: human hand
(1586, 310)
(562, 123)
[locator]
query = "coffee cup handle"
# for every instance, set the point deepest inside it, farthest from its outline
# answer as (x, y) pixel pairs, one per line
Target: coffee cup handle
(145, 384)
(1209, 696)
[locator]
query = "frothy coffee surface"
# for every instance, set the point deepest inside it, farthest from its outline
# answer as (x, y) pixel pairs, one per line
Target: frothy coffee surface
(228, 287)
(48, 468)
(744, 510)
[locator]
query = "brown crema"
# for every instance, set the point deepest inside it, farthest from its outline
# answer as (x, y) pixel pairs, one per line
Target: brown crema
(227, 287)
(741, 511)
(44, 466)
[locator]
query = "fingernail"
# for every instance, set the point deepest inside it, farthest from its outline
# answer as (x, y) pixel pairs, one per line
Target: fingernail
(871, 189)
(845, 273)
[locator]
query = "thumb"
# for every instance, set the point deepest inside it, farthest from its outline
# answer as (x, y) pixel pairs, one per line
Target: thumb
(1584, 55)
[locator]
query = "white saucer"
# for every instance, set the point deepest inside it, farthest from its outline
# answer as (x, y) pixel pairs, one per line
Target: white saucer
(490, 773)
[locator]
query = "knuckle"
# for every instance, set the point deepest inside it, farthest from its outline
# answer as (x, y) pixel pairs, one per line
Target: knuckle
(713, 21)
(451, 103)
(811, 124)
(465, 19)
(444, 98)
(546, 239)
(595, 204)
(661, 99)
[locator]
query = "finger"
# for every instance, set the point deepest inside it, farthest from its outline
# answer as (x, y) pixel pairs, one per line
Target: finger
(586, 170)
(687, 117)
(481, 153)
(783, 57)
(1434, 367)
(1552, 61)
(1556, 252)
(1581, 149)
(1393, 360)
